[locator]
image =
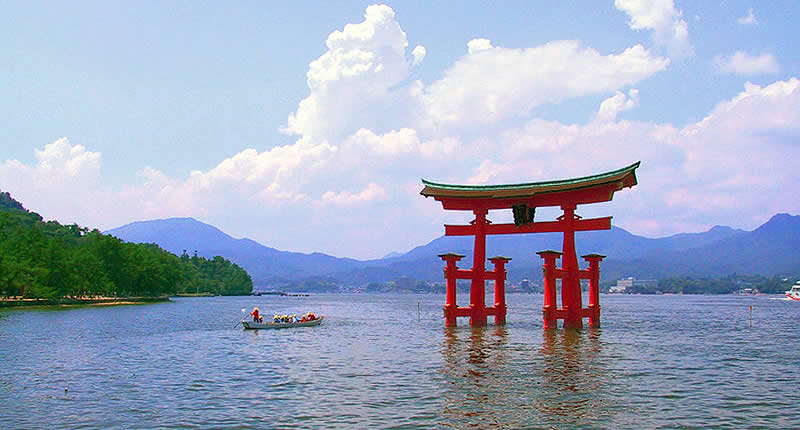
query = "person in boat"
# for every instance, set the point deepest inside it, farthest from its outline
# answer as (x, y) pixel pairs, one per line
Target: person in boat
(256, 317)
(276, 318)
(311, 316)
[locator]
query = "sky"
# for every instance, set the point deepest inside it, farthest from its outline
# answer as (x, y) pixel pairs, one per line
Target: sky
(307, 125)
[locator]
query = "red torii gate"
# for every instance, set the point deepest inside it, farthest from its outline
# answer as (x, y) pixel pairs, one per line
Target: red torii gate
(523, 199)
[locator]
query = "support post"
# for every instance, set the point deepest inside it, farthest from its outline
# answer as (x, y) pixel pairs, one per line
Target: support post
(477, 290)
(570, 283)
(550, 305)
(500, 288)
(594, 287)
(450, 272)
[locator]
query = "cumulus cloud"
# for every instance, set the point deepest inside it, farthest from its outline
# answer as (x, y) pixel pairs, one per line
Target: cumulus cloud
(491, 84)
(743, 64)
(742, 154)
(62, 159)
(418, 53)
(63, 180)
(666, 22)
(352, 83)
(477, 45)
(615, 104)
(370, 193)
(60, 165)
(749, 19)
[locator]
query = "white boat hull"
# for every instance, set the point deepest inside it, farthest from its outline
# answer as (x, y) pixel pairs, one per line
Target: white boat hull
(250, 325)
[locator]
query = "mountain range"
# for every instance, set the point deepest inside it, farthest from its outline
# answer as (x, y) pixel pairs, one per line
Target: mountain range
(771, 249)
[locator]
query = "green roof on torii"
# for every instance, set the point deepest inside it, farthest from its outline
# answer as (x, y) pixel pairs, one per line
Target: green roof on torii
(624, 177)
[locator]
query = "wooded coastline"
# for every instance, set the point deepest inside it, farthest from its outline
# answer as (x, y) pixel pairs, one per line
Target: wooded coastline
(57, 264)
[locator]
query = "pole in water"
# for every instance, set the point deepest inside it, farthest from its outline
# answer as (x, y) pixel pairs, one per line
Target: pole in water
(419, 313)
(751, 316)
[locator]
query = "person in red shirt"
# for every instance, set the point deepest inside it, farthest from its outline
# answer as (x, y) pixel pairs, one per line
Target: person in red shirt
(256, 316)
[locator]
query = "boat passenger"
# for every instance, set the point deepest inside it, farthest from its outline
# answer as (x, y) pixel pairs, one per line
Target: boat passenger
(256, 316)
(276, 318)
(311, 316)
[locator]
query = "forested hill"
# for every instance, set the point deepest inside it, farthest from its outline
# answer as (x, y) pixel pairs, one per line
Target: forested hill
(48, 260)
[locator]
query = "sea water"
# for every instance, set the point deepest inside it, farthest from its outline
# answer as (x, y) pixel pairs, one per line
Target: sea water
(387, 361)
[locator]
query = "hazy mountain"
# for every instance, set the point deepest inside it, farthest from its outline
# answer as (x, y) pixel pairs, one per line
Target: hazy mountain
(773, 248)
(266, 265)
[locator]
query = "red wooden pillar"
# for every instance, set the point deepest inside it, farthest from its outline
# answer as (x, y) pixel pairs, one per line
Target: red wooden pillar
(450, 272)
(477, 290)
(550, 305)
(570, 283)
(500, 288)
(594, 287)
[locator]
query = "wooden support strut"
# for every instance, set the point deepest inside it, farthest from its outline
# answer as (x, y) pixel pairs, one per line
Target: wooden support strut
(535, 227)
(593, 274)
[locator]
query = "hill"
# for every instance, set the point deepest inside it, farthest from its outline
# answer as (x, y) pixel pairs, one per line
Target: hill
(267, 266)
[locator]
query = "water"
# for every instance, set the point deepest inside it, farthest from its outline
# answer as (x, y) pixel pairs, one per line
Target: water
(384, 361)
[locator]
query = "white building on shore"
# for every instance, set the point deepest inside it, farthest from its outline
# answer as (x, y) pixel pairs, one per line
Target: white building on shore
(628, 283)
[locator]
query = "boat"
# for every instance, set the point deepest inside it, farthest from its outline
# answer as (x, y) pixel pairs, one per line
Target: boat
(250, 325)
(794, 293)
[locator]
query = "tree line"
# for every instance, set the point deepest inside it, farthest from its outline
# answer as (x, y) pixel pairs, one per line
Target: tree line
(730, 284)
(48, 260)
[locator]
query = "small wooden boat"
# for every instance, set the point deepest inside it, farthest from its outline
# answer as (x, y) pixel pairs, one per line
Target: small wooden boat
(250, 325)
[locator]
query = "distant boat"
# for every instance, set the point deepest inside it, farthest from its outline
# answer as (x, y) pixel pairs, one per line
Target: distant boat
(794, 293)
(250, 325)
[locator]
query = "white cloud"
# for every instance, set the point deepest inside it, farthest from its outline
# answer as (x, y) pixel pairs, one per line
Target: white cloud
(60, 159)
(660, 16)
(750, 19)
(477, 45)
(352, 83)
(65, 180)
(491, 84)
(743, 64)
(617, 103)
(370, 193)
(418, 53)
(741, 156)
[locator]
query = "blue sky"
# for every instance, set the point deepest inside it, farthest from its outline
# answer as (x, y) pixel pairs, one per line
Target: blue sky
(307, 125)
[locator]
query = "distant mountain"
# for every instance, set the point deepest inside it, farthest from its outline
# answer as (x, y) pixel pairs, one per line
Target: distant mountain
(264, 264)
(771, 249)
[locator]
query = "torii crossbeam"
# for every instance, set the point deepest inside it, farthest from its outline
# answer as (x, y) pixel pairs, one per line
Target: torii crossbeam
(523, 199)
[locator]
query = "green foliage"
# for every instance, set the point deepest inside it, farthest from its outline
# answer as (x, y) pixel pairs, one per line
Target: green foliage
(49, 260)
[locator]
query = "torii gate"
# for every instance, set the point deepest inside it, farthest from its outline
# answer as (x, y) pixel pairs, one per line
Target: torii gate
(523, 199)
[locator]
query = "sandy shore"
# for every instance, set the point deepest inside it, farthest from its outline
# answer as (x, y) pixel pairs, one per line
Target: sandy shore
(80, 301)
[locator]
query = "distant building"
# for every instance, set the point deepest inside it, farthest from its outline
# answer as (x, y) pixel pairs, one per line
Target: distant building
(525, 284)
(628, 283)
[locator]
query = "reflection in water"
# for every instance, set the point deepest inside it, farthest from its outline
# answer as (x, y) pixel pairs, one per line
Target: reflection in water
(492, 382)
(573, 379)
(475, 369)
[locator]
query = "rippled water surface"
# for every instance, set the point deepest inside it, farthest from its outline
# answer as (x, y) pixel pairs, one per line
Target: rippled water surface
(386, 361)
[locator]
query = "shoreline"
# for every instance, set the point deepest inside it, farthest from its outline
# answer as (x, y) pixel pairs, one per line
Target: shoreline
(70, 302)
